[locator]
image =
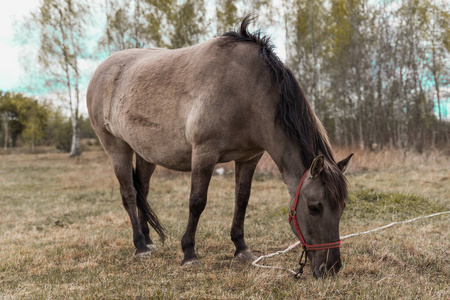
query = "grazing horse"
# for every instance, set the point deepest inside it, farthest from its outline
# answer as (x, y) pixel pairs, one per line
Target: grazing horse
(227, 99)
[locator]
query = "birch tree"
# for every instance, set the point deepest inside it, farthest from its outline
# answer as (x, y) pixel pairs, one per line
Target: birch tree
(61, 27)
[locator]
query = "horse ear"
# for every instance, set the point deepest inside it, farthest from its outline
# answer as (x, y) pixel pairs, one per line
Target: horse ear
(316, 166)
(343, 164)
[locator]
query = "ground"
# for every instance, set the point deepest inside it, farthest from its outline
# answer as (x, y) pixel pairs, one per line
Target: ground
(64, 233)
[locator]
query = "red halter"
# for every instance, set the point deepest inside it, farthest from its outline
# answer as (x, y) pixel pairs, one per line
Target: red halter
(293, 217)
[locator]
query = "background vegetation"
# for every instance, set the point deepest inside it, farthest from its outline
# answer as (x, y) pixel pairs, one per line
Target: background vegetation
(32, 126)
(376, 72)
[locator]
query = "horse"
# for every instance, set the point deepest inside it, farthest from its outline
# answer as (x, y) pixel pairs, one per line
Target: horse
(226, 99)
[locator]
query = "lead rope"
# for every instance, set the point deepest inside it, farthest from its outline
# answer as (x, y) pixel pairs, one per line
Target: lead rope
(300, 271)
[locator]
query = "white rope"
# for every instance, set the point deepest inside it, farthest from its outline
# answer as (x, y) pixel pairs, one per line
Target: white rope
(394, 223)
(255, 262)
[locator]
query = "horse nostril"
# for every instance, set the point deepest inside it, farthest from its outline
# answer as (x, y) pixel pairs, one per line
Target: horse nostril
(325, 269)
(322, 269)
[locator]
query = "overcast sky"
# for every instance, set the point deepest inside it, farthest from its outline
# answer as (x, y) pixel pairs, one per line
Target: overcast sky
(11, 12)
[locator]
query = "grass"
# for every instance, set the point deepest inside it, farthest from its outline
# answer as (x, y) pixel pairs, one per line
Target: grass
(64, 234)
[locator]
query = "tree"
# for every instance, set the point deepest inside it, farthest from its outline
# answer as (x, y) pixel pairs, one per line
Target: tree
(22, 116)
(309, 47)
(226, 13)
(58, 131)
(187, 23)
(34, 117)
(61, 26)
(153, 23)
(134, 24)
(438, 37)
(373, 70)
(9, 114)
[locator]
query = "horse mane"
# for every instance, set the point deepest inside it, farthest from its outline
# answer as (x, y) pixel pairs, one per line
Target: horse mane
(295, 113)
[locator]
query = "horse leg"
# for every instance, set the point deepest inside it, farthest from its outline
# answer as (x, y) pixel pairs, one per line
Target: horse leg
(121, 156)
(202, 169)
(123, 169)
(144, 171)
(244, 175)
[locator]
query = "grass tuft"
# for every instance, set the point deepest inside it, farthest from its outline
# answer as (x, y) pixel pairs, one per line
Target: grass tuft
(369, 204)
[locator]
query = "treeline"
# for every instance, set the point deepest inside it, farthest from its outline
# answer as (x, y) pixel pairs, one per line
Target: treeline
(26, 122)
(376, 72)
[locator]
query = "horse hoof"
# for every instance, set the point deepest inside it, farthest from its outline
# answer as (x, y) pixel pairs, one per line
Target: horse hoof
(190, 263)
(152, 247)
(245, 257)
(143, 255)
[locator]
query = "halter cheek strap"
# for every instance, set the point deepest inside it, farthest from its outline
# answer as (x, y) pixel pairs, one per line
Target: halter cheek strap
(306, 247)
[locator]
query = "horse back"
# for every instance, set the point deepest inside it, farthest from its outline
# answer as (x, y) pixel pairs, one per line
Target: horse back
(164, 102)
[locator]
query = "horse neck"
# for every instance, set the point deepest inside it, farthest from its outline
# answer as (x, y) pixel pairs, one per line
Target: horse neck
(287, 156)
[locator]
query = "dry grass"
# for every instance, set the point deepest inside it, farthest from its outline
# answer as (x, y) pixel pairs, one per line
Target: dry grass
(64, 233)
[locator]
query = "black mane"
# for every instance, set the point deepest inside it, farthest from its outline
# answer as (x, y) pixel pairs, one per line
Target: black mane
(295, 113)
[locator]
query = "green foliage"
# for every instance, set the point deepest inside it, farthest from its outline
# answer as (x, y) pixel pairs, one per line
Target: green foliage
(226, 12)
(133, 24)
(154, 23)
(37, 124)
(11, 125)
(86, 130)
(25, 117)
(59, 131)
(187, 21)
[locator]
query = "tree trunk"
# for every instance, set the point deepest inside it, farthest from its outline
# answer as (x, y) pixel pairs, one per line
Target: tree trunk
(360, 133)
(33, 142)
(75, 148)
(5, 126)
(436, 84)
(286, 29)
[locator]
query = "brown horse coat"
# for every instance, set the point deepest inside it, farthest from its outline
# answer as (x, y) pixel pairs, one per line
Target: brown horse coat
(205, 95)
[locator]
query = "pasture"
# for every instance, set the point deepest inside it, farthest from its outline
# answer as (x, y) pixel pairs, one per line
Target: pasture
(64, 233)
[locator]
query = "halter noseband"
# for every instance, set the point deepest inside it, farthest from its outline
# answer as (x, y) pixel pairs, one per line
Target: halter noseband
(306, 247)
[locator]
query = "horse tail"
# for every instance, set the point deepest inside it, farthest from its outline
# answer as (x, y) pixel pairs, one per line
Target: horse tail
(145, 208)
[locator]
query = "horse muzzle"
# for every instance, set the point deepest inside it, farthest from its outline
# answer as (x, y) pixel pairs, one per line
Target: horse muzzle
(325, 262)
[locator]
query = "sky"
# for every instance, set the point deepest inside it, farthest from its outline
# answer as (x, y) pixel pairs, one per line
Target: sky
(10, 69)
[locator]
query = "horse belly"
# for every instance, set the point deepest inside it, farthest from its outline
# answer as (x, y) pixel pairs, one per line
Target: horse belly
(162, 146)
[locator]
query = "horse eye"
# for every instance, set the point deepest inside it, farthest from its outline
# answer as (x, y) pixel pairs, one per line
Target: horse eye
(314, 210)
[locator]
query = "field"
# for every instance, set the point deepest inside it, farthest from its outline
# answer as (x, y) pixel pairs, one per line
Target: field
(64, 233)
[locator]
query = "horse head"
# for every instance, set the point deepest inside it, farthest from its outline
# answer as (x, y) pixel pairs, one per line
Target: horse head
(316, 211)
